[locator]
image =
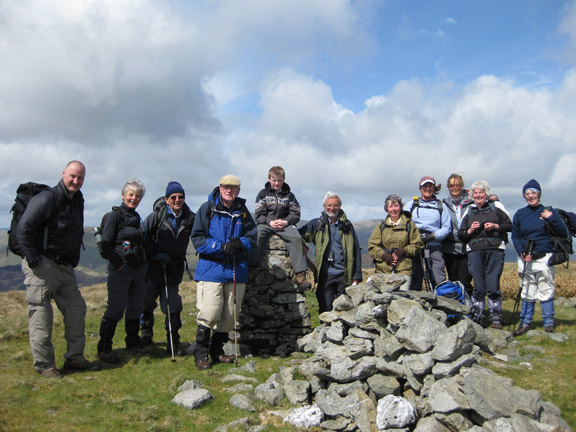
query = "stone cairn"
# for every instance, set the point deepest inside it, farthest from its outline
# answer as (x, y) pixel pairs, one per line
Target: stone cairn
(274, 314)
(390, 360)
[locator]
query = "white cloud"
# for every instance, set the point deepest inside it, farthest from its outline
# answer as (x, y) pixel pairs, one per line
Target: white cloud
(165, 90)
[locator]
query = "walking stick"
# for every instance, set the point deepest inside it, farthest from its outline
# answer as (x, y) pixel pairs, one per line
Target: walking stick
(168, 310)
(528, 251)
(235, 313)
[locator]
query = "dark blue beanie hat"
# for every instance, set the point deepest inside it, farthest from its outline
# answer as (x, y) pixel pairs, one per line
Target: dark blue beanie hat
(174, 187)
(532, 184)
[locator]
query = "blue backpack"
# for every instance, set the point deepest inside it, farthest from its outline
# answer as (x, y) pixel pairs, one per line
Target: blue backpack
(454, 290)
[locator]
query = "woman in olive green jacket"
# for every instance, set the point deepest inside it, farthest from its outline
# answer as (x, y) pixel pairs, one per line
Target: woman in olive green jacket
(395, 241)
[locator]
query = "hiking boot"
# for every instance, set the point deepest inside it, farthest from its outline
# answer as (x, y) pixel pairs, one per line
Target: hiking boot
(109, 357)
(522, 330)
(202, 364)
(50, 373)
(81, 366)
(300, 281)
(178, 352)
(496, 325)
(549, 329)
(224, 359)
(146, 341)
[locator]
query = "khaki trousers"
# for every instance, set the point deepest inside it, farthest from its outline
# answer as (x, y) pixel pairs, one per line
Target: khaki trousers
(46, 282)
(215, 303)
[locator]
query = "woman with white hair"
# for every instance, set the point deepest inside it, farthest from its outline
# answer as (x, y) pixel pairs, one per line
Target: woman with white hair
(122, 245)
(484, 230)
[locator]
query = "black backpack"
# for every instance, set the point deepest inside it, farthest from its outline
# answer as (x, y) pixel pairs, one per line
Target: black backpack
(24, 194)
(98, 230)
(561, 245)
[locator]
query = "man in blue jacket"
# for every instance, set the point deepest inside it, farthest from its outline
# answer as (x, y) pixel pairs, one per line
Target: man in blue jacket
(224, 233)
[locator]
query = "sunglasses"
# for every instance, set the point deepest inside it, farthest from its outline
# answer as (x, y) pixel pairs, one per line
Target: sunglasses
(176, 197)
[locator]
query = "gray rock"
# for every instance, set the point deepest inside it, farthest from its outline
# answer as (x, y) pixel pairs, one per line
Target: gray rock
(430, 424)
(297, 391)
(390, 368)
(190, 385)
(358, 347)
(239, 388)
(516, 423)
(348, 388)
(365, 318)
(192, 399)
(342, 303)
(419, 364)
(312, 341)
(364, 334)
(419, 331)
(395, 412)
(347, 370)
(447, 396)
(383, 385)
(492, 396)
(454, 342)
(455, 421)
(235, 377)
(249, 367)
(386, 282)
(331, 403)
(338, 424)
(551, 414)
(445, 370)
(336, 332)
(243, 401)
(305, 417)
(389, 347)
(271, 393)
(363, 411)
(398, 310)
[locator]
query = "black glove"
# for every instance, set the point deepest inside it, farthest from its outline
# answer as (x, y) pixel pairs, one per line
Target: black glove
(233, 247)
(387, 257)
(399, 253)
(427, 237)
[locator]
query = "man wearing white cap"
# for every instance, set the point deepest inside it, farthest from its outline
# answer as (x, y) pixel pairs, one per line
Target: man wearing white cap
(223, 234)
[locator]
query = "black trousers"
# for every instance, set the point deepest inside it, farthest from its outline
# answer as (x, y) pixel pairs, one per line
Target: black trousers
(330, 286)
(457, 268)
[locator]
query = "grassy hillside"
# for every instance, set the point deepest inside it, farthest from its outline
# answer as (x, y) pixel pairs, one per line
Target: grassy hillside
(137, 394)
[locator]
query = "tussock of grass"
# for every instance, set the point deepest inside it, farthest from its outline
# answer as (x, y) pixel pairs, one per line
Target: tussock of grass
(137, 394)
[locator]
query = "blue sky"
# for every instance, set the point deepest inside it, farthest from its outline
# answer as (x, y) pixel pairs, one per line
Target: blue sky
(358, 97)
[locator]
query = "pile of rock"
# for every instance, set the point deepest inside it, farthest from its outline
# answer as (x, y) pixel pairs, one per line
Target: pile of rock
(274, 314)
(390, 360)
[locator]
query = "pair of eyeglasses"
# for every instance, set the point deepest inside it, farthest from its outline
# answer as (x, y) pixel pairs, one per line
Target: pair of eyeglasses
(176, 197)
(454, 185)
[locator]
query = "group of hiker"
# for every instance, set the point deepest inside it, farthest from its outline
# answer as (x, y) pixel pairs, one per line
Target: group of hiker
(464, 233)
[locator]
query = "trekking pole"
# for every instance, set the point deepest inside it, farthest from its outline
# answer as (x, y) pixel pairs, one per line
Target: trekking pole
(528, 251)
(426, 280)
(235, 313)
(168, 310)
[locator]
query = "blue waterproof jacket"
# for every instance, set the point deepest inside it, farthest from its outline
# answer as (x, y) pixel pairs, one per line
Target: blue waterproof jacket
(214, 225)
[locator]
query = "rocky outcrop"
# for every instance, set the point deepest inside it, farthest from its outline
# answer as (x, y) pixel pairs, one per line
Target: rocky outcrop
(390, 360)
(274, 313)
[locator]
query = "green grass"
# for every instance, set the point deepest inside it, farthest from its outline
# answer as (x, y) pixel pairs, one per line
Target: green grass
(136, 395)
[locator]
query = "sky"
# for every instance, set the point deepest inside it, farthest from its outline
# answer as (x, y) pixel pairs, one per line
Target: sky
(362, 98)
